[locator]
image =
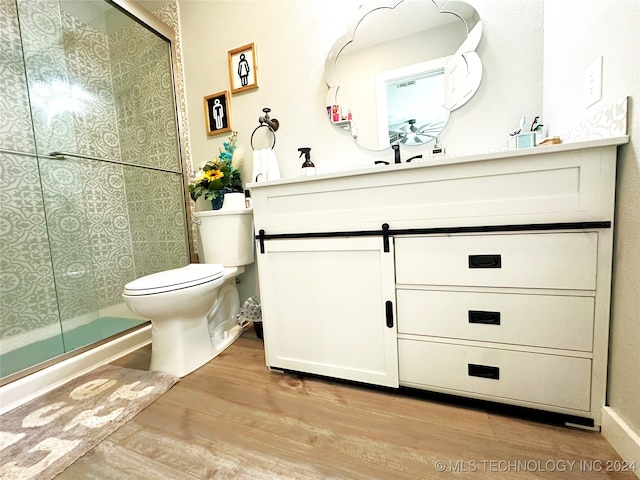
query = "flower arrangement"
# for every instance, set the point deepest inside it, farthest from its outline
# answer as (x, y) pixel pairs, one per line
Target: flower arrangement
(217, 176)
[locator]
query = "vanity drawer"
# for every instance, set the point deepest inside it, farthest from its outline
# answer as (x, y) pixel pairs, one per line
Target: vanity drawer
(509, 375)
(537, 320)
(542, 260)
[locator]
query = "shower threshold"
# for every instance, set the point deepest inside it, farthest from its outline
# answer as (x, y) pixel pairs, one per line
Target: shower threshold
(40, 354)
(27, 384)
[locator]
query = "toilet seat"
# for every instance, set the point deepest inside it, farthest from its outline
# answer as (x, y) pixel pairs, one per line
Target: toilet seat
(176, 279)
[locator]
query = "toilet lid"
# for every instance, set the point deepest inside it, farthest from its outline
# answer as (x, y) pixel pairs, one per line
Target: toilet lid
(176, 279)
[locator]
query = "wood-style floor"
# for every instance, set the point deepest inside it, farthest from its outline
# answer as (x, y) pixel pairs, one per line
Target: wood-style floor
(234, 419)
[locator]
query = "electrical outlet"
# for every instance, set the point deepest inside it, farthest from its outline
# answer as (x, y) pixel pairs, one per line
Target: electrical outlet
(593, 83)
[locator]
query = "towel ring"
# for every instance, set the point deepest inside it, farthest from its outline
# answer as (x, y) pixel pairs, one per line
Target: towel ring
(270, 129)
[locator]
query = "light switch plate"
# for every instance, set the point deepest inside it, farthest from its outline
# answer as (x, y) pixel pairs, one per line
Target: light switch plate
(593, 83)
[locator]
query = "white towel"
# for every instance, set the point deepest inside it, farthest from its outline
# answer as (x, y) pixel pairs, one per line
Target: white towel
(257, 166)
(265, 165)
(273, 170)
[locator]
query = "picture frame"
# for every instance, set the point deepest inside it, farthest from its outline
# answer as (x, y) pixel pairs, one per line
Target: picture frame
(217, 114)
(243, 68)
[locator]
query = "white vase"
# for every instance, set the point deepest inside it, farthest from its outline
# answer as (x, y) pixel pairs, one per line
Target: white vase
(233, 201)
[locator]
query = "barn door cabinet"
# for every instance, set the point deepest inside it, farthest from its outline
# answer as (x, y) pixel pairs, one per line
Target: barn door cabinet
(485, 276)
(324, 307)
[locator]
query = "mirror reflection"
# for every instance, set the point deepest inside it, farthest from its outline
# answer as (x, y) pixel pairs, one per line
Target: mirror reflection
(400, 70)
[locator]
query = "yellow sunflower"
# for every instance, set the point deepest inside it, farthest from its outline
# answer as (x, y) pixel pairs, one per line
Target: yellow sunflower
(213, 175)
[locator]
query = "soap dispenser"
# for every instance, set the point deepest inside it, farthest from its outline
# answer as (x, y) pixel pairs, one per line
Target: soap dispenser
(308, 168)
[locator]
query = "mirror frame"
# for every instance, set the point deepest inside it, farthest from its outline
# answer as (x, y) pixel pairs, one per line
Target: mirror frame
(463, 72)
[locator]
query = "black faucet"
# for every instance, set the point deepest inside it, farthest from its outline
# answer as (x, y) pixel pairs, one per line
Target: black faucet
(396, 154)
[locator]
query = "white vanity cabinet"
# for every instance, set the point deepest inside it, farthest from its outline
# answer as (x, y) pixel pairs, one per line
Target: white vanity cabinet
(486, 276)
(328, 308)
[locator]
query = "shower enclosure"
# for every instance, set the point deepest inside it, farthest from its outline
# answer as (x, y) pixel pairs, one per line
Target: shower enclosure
(91, 183)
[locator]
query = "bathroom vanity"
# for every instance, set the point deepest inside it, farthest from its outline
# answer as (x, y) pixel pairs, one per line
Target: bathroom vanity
(485, 276)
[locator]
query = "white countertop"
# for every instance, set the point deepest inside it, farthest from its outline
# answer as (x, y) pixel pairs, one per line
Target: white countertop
(448, 160)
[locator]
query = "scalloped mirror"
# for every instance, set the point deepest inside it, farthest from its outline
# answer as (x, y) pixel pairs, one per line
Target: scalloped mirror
(401, 69)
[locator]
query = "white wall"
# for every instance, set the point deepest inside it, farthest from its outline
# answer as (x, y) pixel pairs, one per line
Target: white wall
(292, 40)
(576, 33)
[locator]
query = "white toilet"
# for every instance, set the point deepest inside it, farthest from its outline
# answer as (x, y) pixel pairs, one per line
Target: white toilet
(193, 309)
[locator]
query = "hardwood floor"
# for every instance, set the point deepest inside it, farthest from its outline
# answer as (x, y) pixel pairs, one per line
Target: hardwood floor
(234, 419)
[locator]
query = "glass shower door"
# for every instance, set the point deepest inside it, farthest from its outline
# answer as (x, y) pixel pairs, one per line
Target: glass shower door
(94, 185)
(30, 329)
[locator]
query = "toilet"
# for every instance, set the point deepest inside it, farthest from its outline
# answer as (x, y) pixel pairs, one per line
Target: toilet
(193, 309)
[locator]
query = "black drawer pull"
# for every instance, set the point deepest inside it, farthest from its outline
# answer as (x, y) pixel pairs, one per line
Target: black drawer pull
(483, 371)
(485, 318)
(389, 313)
(485, 261)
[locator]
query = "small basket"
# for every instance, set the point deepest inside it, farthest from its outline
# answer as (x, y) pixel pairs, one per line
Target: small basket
(251, 311)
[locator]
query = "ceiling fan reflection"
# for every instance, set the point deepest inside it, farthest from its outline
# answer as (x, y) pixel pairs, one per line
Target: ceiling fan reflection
(409, 134)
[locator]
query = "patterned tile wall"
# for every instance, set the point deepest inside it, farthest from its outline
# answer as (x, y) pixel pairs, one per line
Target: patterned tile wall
(106, 224)
(67, 222)
(169, 15)
(15, 129)
(50, 87)
(27, 290)
(95, 125)
(157, 220)
(149, 136)
(146, 111)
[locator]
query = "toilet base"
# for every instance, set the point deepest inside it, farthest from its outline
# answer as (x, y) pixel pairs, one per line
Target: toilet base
(220, 345)
(195, 349)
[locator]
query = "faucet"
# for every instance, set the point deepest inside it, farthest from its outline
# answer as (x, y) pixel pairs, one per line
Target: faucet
(396, 154)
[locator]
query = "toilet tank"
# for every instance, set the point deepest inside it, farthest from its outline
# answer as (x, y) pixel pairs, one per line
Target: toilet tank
(226, 236)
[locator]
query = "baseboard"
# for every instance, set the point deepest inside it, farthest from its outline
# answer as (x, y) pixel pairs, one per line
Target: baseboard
(624, 440)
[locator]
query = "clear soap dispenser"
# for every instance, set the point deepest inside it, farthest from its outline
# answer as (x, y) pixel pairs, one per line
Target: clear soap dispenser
(308, 168)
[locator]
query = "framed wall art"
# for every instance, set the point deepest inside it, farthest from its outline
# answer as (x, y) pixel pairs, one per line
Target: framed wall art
(217, 115)
(243, 68)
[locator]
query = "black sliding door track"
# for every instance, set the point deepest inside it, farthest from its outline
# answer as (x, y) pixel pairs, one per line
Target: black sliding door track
(385, 232)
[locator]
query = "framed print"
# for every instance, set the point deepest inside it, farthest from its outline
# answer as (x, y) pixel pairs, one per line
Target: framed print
(242, 68)
(217, 116)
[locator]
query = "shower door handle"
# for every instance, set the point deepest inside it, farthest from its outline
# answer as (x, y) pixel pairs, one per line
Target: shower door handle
(64, 155)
